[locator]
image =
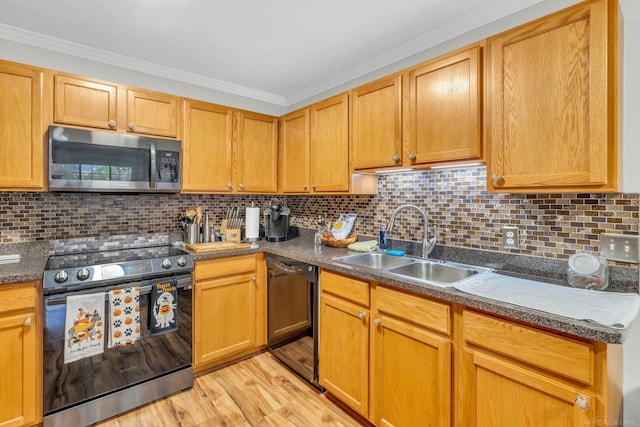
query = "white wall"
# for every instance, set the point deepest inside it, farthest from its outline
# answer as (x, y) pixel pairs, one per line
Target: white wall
(39, 57)
(631, 103)
(631, 183)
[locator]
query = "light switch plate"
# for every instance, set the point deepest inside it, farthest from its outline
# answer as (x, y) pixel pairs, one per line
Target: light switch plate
(510, 237)
(619, 247)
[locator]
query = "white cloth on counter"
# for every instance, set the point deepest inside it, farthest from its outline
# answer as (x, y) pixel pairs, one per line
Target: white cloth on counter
(124, 309)
(614, 309)
(84, 324)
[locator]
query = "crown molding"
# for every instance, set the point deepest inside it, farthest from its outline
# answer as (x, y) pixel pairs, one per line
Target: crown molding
(86, 52)
(456, 28)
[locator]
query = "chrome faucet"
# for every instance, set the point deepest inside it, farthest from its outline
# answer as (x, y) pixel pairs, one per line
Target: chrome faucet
(427, 244)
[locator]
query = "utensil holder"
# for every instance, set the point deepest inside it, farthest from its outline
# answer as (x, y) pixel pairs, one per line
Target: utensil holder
(192, 233)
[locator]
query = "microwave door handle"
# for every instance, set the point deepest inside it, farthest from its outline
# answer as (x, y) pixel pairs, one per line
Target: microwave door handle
(152, 175)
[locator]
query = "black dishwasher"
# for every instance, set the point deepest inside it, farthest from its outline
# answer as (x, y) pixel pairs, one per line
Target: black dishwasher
(292, 324)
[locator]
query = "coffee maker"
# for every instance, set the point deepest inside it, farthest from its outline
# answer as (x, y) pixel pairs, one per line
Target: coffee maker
(276, 222)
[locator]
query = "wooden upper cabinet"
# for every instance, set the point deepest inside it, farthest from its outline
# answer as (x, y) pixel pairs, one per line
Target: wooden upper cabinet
(294, 152)
(97, 104)
(21, 133)
(84, 103)
(376, 120)
(552, 102)
(444, 113)
(152, 113)
(207, 148)
(329, 167)
(257, 148)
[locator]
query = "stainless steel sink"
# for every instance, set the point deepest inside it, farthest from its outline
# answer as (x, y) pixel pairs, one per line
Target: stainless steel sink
(376, 260)
(438, 273)
(443, 274)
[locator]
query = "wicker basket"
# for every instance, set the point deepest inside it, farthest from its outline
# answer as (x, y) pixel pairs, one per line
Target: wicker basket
(351, 238)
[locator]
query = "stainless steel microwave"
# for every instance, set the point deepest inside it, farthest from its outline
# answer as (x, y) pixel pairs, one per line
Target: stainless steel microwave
(101, 161)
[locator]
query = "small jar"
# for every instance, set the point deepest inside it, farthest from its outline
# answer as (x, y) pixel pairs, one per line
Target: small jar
(588, 272)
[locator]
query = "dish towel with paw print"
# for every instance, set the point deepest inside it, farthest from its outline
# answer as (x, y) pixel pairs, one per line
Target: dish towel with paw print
(124, 311)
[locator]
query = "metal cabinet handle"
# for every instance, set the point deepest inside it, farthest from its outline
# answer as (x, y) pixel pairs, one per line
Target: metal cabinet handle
(361, 315)
(111, 123)
(582, 402)
(28, 321)
(229, 185)
(377, 321)
(241, 186)
(304, 187)
(395, 158)
(411, 156)
(313, 186)
(132, 126)
(495, 178)
(254, 278)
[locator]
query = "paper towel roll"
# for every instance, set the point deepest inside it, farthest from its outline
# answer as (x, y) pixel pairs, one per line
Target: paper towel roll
(252, 227)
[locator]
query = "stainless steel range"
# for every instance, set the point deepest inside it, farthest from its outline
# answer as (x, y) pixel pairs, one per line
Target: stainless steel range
(117, 331)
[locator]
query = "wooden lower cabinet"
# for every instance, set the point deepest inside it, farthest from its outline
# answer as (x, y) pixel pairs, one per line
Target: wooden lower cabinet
(401, 359)
(512, 374)
(229, 309)
(410, 360)
(344, 339)
(21, 355)
(385, 359)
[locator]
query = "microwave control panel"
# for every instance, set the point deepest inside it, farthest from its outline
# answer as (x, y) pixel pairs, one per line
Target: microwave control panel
(168, 164)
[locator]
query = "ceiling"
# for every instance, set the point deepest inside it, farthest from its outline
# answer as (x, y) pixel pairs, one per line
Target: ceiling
(279, 51)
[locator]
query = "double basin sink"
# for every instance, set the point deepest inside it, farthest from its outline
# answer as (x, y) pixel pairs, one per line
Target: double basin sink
(439, 273)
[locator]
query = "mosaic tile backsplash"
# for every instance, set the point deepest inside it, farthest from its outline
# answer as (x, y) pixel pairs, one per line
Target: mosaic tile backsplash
(552, 225)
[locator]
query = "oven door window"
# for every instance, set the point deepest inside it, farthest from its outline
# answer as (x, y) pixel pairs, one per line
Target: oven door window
(152, 356)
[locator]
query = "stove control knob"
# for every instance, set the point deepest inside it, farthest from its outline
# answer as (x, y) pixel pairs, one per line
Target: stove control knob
(182, 261)
(61, 276)
(166, 263)
(83, 274)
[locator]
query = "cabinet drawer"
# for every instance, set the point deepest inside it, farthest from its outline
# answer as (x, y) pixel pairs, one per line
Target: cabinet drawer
(346, 287)
(205, 269)
(18, 296)
(430, 314)
(567, 357)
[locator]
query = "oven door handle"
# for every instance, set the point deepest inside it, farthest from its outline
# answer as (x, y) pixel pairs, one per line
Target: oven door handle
(183, 282)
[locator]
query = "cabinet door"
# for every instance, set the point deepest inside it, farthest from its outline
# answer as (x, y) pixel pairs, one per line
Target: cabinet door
(225, 317)
(330, 145)
(344, 351)
(496, 393)
(412, 375)
(257, 153)
(207, 148)
(376, 120)
(21, 136)
(84, 102)
(21, 355)
(152, 113)
(294, 152)
(551, 102)
(444, 114)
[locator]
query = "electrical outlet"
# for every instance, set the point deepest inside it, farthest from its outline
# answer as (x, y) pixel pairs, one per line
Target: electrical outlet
(619, 247)
(510, 237)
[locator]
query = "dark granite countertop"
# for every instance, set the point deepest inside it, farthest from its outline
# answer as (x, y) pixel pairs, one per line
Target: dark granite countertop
(34, 257)
(303, 249)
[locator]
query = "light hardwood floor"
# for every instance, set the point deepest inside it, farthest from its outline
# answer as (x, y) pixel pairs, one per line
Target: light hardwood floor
(258, 391)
